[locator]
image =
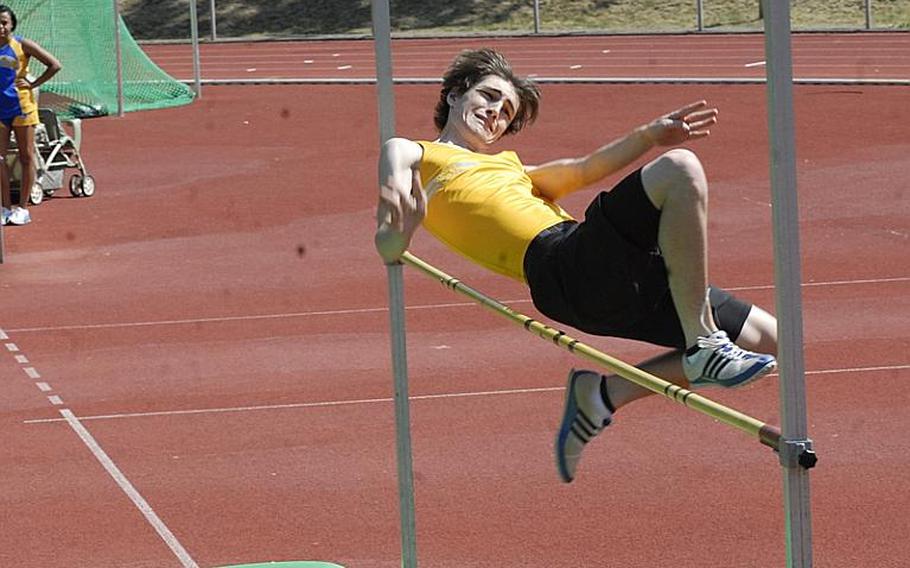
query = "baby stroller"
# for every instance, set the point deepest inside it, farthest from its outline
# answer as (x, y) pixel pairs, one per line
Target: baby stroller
(56, 151)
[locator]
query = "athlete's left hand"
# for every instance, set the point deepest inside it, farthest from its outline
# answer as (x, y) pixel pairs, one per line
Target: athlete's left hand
(690, 122)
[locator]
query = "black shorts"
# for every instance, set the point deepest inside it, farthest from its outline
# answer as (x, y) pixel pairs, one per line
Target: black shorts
(606, 276)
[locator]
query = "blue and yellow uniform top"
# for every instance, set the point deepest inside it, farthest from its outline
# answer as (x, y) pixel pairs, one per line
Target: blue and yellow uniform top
(14, 102)
(484, 206)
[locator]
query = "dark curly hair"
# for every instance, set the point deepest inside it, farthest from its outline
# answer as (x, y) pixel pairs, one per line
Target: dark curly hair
(469, 68)
(12, 15)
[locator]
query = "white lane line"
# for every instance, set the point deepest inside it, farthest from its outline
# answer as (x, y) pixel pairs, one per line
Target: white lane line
(361, 311)
(22, 359)
(755, 64)
(859, 370)
(127, 487)
(55, 400)
(227, 319)
(32, 372)
(3, 335)
(334, 403)
(324, 404)
(43, 387)
(11, 347)
(828, 283)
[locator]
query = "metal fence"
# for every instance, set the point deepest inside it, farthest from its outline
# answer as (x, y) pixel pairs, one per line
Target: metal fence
(261, 19)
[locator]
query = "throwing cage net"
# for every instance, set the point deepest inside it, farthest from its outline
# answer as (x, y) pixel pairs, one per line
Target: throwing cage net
(82, 35)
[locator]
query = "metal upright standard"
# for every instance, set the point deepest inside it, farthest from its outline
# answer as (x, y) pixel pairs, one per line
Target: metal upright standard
(212, 15)
(383, 46)
(796, 453)
(118, 47)
(194, 38)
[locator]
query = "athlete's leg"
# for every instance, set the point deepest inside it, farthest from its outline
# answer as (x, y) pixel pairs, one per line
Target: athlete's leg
(592, 399)
(759, 333)
(675, 183)
(667, 366)
(4, 171)
(25, 139)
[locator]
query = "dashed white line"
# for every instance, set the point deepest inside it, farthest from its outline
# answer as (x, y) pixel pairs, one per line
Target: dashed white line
(21, 359)
(754, 64)
(108, 464)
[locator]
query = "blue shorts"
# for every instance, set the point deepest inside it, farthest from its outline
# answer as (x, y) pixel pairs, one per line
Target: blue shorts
(606, 276)
(27, 119)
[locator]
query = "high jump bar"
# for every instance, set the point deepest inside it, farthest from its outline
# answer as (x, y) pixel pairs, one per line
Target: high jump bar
(767, 434)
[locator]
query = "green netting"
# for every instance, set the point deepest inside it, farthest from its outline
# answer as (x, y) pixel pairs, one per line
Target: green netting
(81, 34)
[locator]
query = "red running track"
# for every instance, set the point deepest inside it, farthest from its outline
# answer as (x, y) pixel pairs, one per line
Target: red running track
(214, 316)
(867, 56)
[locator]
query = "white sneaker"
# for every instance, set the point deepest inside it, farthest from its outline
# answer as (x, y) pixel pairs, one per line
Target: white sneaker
(19, 216)
(719, 362)
(585, 416)
(4, 215)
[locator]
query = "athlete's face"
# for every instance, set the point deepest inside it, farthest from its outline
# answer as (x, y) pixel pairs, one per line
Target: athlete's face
(6, 26)
(483, 113)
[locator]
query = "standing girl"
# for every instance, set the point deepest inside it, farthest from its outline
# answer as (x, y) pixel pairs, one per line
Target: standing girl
(19, 111)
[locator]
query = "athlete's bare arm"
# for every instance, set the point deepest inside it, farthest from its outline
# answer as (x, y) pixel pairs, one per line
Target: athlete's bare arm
(559, 178)
(402, 201)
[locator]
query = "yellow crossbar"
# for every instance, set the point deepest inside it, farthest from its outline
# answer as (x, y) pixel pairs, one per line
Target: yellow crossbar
(767, 434)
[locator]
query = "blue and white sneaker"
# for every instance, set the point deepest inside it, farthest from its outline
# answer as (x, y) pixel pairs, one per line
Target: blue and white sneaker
(719, 362)
(585, 416)
(19, 216)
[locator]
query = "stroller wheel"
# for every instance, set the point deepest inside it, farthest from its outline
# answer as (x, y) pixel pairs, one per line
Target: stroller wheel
(88, 186)
(76, 185)
(36, 195)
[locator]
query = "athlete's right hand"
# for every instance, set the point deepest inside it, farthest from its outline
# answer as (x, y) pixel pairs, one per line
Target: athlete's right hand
(399, 213)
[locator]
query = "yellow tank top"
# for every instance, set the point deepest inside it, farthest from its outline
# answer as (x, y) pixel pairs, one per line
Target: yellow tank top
(27, 103)
(484, 206)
